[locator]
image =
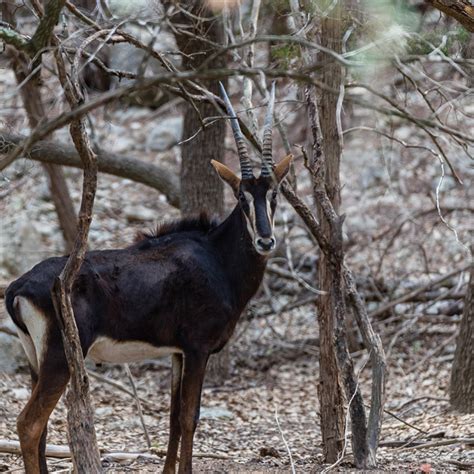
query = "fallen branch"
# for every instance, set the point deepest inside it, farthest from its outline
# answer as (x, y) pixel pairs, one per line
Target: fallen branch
(152, 175)
(403, 445)
(119, 386)
(139, 405)
(63, 452)
(437, 444)
(431, 353)
(412, 294)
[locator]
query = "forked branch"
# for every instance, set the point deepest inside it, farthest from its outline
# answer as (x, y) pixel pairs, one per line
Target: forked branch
(82, 436)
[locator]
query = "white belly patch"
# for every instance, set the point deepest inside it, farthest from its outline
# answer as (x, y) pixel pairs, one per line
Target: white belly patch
(34, 343)
(111, 351)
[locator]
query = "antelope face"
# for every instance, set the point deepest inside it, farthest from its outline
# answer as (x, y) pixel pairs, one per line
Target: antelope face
(257, 196)
(257, 199)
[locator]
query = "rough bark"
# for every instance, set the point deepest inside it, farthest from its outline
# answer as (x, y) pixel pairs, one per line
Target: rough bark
(155, 176)
(461, 10)
(371, 340)
(336, 292)
(330, 388)
(82, 438)
(201, 188)
(32, 101)
(461, 393)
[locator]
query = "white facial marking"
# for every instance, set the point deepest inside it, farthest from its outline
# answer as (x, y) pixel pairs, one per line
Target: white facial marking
(249, 197)
(108, 350)
(269, 209)
(250, 221)
(34, 343)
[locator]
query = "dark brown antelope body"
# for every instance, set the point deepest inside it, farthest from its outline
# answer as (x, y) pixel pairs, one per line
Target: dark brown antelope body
(179, 292)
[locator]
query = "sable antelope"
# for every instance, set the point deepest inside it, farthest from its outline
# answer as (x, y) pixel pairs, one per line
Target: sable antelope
(179, 291)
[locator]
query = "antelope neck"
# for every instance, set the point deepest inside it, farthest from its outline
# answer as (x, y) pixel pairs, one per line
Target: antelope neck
(243, 264)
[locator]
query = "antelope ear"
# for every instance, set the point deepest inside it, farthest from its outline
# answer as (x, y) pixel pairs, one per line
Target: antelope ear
(282, 168)
(227, 175)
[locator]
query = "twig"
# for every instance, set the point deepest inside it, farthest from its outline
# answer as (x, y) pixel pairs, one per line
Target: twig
(292, 464)
(465, 466)
(346, 429)
(119, 386)
(63, 452)
(433, 352)
(421, 289)
(401, 420)
(426, 397)
(139, 405)
(436, 444)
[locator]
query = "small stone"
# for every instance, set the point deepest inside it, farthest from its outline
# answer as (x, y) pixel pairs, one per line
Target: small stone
(46, 229)
(166, 134)
(139, 214)
(215, 413)
(21, 393)
(12, 356)
(104, 411)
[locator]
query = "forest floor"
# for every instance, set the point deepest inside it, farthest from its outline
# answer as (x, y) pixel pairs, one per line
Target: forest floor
(268, 408)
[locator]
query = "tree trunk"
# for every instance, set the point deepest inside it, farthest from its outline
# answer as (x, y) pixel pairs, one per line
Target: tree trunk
(32, 101)
(461, 391)
(330, 388)
(201, 188)
(80, 415)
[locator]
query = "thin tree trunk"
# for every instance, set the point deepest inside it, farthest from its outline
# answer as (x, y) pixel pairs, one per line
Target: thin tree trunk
(32, 100)
(330, 388)
(201, 188)
(461, 391)
(80, 416)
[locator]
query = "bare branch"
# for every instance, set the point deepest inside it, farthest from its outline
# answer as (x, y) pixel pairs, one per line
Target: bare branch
(45, 28)
(461, 10)
(13, 38)
(153, 175)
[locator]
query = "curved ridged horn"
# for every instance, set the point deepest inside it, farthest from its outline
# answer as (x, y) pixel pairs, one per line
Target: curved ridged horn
(267, 160)
(245, 165)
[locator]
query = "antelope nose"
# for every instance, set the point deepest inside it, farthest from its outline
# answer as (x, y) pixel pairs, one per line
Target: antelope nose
(266, 243)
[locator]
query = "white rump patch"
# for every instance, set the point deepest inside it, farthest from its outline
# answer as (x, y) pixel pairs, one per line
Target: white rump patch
(108, 350)
(34, 343)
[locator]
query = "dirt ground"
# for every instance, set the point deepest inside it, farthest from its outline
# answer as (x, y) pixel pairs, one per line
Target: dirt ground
(272, 379)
